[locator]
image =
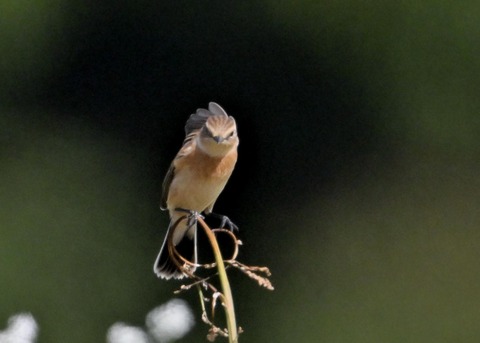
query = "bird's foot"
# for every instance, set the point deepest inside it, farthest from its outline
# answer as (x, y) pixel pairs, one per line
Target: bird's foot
(191, 215)
(225, 221)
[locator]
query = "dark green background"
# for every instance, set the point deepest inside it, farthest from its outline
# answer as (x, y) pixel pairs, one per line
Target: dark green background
(357, 181)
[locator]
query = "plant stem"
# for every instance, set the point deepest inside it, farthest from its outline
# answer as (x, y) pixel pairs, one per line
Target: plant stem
(225, 285)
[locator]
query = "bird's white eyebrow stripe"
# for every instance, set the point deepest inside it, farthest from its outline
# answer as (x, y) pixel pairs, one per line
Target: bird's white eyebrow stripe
(220, 123)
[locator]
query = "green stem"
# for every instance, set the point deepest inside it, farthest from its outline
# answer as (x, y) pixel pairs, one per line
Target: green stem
(227, 292)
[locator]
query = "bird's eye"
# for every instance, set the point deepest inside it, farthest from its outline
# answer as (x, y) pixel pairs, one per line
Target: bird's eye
(207, 131)
(231, 134)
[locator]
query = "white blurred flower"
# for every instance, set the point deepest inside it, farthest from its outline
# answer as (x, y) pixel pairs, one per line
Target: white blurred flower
(170, 321)
(22, 328)
(123, 333)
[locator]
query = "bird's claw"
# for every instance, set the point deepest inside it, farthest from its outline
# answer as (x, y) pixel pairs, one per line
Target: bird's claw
(191, 215)
(226, 222)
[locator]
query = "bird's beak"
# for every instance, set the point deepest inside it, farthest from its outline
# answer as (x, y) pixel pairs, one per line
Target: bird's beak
(218, 139)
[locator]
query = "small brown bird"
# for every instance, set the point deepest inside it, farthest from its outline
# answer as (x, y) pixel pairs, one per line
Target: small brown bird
(195, 179)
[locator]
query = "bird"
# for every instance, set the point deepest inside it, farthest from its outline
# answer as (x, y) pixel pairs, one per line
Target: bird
(194, 180)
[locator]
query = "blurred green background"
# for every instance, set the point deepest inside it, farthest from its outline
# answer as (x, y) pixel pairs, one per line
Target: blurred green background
(357, 181)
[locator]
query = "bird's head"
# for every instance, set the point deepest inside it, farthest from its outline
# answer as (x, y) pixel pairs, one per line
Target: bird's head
(219, 135)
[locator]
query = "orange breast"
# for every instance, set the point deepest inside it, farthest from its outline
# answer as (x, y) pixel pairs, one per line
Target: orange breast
(199, 180)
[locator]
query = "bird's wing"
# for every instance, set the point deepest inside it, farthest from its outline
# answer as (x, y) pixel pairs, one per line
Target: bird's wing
(196, 121)
(187, 148)
(166, 186)
(216, 109)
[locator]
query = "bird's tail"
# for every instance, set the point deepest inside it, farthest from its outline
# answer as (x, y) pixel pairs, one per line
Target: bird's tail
(185, 234)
